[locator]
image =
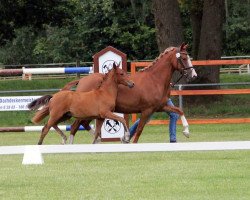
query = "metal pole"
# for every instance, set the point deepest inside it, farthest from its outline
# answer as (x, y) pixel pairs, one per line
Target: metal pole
(180, 98)
(78, 65)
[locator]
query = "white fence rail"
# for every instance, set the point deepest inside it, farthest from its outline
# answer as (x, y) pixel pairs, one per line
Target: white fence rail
(142, 147)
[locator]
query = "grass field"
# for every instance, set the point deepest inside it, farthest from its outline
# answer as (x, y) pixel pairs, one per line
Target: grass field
(187, 175)
(161, 175)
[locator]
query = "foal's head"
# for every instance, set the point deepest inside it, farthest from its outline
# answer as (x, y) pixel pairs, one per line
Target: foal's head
(183, 63)
(122, 77)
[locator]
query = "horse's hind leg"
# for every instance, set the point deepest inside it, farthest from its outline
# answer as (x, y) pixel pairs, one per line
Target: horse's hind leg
(87, 127)
(53, 121)
(64, 137)
(185, 125)
(110, 115)
(45, 131)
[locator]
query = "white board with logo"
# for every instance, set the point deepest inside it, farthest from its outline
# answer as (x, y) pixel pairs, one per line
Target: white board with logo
(103, 62)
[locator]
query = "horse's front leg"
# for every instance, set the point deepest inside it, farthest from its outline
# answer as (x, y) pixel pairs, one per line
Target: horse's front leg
(185, 125)
(145, 115)
(97, 137)
(74, 127)
(110, 115)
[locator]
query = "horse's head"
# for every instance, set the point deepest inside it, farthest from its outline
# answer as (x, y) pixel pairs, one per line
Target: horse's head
(184, 64)
(122, 76)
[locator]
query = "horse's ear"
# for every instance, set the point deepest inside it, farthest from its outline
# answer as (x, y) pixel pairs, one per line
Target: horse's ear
(114, 65)
(183, 47)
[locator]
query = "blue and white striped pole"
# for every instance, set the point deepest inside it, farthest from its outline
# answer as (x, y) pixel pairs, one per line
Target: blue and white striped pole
(59, 70)
(37, 128)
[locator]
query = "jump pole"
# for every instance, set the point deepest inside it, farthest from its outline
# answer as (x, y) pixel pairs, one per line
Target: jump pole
(58, 70)
(36, 128)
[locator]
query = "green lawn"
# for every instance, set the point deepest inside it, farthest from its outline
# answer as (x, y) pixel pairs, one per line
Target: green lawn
(169, 175)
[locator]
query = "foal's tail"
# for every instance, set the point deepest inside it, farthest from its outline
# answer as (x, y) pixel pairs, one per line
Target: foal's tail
(41, 114)
(69, 85)
(34, 105)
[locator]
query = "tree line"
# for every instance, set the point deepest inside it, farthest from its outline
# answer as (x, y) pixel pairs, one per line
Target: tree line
(64, 31)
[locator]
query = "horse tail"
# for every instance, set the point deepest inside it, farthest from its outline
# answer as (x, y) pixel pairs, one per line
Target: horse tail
(41, 114)
(69, 85)
(37, 103)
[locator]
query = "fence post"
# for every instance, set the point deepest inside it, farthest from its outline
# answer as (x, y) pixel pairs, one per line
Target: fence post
(180, 98)
(78, 65)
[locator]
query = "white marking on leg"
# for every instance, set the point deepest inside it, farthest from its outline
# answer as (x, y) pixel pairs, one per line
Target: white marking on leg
(186, 131)
(184, 121)
(185, 126)
(71, 139)
(127, 135)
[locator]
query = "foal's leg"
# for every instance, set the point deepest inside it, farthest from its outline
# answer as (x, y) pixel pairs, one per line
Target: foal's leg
(64, 137)
(85, 124)
(74, 127)
(97, 137)
(54, 119)
(113, 116)
(44, 132)
(185, 125)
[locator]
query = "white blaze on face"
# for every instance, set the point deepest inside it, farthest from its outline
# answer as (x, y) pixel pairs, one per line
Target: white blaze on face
(193, 73)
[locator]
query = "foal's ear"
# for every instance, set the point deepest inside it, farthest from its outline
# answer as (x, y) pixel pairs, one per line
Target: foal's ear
(114, 65)
(183, 47)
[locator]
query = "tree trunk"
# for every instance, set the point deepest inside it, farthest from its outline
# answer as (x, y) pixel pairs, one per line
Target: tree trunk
(210, 46)
(169, 30)
(195, 8)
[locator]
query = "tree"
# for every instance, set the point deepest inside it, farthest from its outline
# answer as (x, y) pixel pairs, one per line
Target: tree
(237, 26)
(210, 46)
(169, 31)
(20, 13)
(195, 8)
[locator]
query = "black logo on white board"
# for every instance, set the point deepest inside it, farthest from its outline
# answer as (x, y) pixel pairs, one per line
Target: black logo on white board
(108, 65)
(112, 126)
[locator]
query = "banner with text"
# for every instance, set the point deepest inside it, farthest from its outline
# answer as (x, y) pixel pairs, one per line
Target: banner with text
(16, 102)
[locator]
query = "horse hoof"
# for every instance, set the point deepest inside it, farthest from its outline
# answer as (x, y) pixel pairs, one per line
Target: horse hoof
(186, 132)
(63, 142)
(97, 141)
(124, 141)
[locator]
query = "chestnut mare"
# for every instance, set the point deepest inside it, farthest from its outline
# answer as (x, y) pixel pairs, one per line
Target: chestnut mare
(96, 104)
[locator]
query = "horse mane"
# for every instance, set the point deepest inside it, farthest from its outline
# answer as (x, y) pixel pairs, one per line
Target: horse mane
(158, 58)
(104, 78)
